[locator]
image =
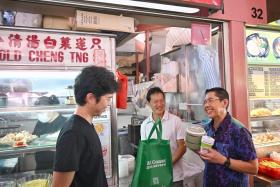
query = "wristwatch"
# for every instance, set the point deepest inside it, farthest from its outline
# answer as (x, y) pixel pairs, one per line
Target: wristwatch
(227, 162)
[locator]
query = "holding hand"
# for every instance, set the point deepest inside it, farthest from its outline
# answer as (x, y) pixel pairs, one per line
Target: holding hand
(213, 156)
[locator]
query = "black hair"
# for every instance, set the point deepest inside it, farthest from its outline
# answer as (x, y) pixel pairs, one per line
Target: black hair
(221, 93)
(96, 80)
(153, 91)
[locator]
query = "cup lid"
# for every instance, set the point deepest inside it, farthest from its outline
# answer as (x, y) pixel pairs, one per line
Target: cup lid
(208, 140)
(196, 130)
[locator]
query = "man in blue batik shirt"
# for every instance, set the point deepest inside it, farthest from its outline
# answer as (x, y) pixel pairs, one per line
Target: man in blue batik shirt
(233, 154)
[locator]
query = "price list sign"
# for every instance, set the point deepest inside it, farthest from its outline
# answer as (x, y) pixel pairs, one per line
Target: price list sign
(264, 81)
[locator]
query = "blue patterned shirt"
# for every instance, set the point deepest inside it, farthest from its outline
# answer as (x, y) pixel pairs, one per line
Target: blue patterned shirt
(232, 140)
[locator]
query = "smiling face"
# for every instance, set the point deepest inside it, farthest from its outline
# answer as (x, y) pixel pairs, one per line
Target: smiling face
(157, 104)
(215, 107)
(97, 108)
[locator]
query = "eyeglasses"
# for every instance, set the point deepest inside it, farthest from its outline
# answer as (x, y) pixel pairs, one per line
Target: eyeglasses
(210, 101)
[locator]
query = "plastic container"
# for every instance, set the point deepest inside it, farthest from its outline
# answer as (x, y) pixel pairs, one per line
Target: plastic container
(193, 146)
(193, 137)
(123, 167)
(131, 161)
(206, 142)
(268, 170)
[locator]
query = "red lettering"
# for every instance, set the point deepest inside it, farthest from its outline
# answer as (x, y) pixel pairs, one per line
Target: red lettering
(60, 56)
(79, 57)
(2, 55)
(96, 41)
(81, 44)
(32, 41)
(85, 57)
(7, 55)
(50, 43)
(31, 56)
(17, 55)
(65, 43)
(15, 40)
(46, 56)
(40, 56)
(72, 54)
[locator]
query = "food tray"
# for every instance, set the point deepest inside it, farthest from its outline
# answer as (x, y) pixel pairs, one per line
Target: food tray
(266, 138)
(38, 180)
(10, 140)
(272, 171)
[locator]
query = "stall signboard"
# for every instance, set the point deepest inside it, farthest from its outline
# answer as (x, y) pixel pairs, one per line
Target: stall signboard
(264, 81)
(263, 47)
(18, 47)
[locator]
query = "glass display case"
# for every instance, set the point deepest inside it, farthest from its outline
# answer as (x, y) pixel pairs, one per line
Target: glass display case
(263, 89)
(37, 72)
(33, 109)
(265, 120)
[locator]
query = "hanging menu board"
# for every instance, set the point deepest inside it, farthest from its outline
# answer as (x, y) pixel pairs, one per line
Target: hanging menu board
(263, 47)
(264, 81)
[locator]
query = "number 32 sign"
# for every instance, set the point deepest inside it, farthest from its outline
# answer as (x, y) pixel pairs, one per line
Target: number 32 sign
(257, 13)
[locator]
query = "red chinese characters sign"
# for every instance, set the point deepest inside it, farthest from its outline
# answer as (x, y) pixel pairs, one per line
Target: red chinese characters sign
(54, 49)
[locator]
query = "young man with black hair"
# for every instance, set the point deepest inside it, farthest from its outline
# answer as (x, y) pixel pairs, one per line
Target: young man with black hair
(233, 154)
(79, 160)
(172, 129)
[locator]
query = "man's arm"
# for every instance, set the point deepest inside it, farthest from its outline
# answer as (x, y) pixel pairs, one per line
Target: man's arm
(180, 151)
(213, 156)
(250, 167)
(62, 179)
